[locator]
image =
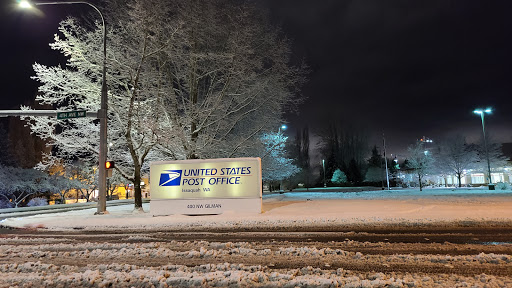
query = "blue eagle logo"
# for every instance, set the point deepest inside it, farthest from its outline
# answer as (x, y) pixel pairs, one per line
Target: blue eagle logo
(170, 178)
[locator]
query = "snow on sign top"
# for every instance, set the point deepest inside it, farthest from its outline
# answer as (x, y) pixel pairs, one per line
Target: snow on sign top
(211, 178)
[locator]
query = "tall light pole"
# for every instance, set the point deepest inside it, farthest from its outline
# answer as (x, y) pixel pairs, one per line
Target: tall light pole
(385, 159)
(282, 127)
(323, 165)
(102, 113)
(482, 112)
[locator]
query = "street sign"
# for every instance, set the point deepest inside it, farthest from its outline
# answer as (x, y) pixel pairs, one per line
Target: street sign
(71, 114)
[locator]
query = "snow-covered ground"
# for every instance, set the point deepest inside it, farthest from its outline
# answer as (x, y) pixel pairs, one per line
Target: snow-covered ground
(306, 208)
(143, 261)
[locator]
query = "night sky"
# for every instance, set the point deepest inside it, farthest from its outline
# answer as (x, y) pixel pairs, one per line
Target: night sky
(405, 68)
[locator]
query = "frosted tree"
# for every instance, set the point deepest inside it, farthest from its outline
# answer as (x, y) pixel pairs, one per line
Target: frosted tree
(18, 184)
(61, 184)
(339, 177)
(420, 161)
(275, 164)
(185, 78)
(113, 183)
(456, 156)
(226, 79)
(493, 153)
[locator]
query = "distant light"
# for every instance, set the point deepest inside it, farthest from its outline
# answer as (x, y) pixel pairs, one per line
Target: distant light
(481, 111)
(284, 127)
(24, 4)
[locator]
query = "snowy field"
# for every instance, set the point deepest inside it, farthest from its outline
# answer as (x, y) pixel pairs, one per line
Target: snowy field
(144, 260)
(299, 209)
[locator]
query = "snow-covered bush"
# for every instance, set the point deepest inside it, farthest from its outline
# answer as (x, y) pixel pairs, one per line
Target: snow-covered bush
(38, 201)
(502, 186)
(339, 177)
(5, 204)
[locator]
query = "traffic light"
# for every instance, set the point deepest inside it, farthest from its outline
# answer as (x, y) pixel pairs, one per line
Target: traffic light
(110, 164)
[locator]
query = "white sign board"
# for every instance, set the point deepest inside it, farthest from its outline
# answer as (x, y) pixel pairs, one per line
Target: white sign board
(211, 186)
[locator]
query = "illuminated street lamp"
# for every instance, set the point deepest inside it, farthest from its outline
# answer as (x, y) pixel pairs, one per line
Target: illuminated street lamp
(282, 127)
(482, 112)
(102, 113)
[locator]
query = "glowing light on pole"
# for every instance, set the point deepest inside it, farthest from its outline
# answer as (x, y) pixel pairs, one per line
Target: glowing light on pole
(482, 113)
(282, 127)
(102, 113)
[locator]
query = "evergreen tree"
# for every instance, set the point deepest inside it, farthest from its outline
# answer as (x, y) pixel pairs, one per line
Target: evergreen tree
(342, 145)
(5, 155)
(354, 172)
(376, 160)
(301, 156)
(339, 177)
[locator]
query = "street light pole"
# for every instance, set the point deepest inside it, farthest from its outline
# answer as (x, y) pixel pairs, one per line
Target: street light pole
(385, 159)
(102, 112)
(481, 113)
(283, 127)
(323, 165)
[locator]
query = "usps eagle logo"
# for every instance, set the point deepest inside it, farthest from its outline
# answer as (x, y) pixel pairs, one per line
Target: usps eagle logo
(170, 178)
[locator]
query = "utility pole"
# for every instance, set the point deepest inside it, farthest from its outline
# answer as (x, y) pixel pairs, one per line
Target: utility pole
(385, 159)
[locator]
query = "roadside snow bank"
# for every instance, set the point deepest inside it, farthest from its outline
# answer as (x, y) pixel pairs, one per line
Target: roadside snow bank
(301, 210)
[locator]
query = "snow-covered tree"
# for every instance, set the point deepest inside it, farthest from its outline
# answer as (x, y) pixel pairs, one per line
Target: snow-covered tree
(494, 153)
(113, 183)
(62, 183)
(275, 164)
(339, 177)
(420, 161)
(185, 78)
(456, 156)
(18, 184)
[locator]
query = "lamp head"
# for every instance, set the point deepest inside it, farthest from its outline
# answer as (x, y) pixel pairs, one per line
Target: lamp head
(482, 111)
(284, 127)
(24, 4)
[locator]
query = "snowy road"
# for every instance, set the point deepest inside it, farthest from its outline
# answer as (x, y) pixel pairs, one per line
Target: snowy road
(406, 238)
(421, 257)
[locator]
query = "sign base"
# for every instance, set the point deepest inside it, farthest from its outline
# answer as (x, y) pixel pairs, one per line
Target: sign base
(162, 207)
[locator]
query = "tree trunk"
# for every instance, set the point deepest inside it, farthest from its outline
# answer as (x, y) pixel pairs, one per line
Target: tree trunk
(137, 190)
(421, 185)
(460, 182)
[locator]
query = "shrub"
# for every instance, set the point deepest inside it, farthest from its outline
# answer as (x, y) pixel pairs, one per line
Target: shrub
(4, 204)
(38, 201)
(339, 177)
(502, 186)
